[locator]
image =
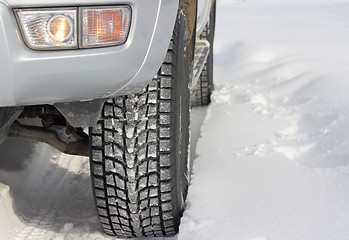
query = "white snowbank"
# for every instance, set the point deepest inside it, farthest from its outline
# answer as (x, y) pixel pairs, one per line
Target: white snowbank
(9, 222)
(274, 153)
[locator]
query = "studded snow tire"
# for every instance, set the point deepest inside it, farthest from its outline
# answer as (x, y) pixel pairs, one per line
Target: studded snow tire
(139, 150)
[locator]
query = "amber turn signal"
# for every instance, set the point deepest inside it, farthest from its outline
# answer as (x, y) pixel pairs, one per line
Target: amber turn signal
(105, 26)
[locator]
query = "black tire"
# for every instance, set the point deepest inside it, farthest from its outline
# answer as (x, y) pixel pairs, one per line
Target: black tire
(201, 94)
(139, 150)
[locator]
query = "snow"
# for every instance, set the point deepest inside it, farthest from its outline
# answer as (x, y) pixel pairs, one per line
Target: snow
(272, 154)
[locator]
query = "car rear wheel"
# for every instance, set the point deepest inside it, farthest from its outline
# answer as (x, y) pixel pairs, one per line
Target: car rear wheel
(201, 94)
(139, 150)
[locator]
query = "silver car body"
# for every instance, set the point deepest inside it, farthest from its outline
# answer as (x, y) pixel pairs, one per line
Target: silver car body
(30, 77)
(204, 8)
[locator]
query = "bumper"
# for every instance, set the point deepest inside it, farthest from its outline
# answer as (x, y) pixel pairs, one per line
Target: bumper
(45, 77)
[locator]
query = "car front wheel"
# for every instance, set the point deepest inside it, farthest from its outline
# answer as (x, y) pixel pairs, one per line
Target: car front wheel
(139, 150)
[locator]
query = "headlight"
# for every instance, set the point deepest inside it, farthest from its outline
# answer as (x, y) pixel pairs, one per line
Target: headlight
(45, 29)
(60, 28)
(49, 29)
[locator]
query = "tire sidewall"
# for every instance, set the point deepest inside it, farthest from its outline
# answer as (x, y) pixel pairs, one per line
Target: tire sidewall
(182, 112)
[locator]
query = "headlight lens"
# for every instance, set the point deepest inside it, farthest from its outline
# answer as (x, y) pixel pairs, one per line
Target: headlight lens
(105, 26)
(45, 29)
(60, 28)
(49, 29)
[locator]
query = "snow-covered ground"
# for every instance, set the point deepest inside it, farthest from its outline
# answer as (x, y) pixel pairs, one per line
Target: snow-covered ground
(272, 155)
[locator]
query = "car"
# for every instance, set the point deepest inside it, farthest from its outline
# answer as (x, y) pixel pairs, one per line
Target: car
(114, 81)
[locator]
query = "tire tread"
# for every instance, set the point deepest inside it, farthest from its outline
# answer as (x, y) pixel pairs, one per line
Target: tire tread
(133, 188)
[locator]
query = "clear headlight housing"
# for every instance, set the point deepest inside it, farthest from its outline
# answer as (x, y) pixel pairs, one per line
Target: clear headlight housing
(71, 28)
(49, 29)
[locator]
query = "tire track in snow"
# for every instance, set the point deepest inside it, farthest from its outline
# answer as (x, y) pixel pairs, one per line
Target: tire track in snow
(52, 197)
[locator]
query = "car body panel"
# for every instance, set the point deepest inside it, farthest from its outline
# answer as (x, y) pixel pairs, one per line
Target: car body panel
(45, 77)
(204, 8)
